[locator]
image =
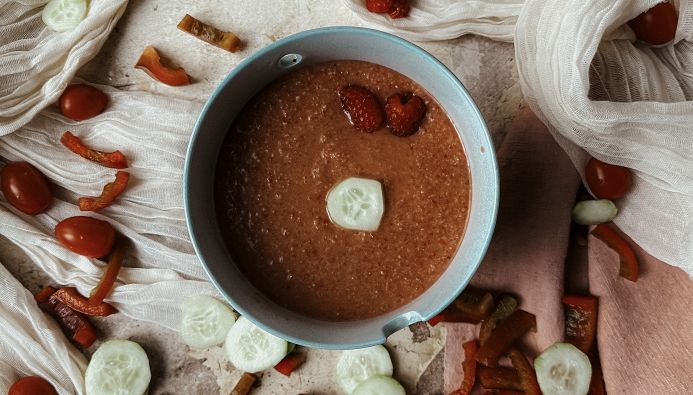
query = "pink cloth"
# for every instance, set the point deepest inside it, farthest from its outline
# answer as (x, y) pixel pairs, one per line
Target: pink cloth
(645, 329)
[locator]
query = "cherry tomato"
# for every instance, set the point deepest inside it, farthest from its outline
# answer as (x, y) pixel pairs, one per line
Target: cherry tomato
(25, 187)
(607, 181)
(657, 25)
(32, 385)
(86, 236)
(150, 63)
(80, 102)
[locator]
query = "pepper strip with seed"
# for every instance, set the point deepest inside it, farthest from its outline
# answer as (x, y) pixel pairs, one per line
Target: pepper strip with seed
(629, 262)
(110, 275)
(502, 338)
(210, 34)
(501, 378)
(580, 320)
(77, 325)
(115, 160)
(504, 308)
(244, 385)
(469, 368)
(528, 376)
(79, 303)
(471, 306)
(108, 195)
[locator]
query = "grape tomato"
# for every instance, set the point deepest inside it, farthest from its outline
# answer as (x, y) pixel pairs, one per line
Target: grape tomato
(607, 181)
(86, 236)
(657, 25)
(79, 102)
(25, 187)
(32, 385)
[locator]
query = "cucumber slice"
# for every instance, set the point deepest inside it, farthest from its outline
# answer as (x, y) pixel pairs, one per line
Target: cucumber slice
(251, 349)
(118, 367)
(206, 321)
(563, 369)
(594, 212)
(356, 204)
(356, 366)
(379, 385)
(63, 15)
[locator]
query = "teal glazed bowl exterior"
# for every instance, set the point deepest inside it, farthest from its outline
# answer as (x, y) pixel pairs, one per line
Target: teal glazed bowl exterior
(246, 80)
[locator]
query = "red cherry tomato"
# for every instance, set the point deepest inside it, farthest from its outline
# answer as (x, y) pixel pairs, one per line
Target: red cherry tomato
(607, 181)
(657, 25)
(80, 102)
(25, 187)
(32, 385)
(86, 236)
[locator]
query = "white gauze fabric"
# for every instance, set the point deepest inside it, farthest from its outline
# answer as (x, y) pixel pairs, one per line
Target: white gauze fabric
(622, 102)
(432, 20)
(36, 63)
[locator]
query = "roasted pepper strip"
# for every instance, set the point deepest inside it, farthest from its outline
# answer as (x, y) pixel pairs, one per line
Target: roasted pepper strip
(471, 306)
(110, 275)
(597, 386)
(501, 378)
(629, 262)
(150, 63)
(109, 193)
(505, 306)
(528, 376)
(436, 319)
(290, 363)
(209, 34)
(43, 295)
(580, 321)
(506, 333)
(244, 385)
(76, 324)
(469, 368)
(115, 160)
(79, 303)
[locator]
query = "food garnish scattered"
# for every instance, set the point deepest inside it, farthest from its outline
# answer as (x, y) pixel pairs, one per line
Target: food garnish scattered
(594, 212)
(504, 336)
(25, 188)
(206, 321)
(71, 297)
(118, 367)
(357, 366)
(290, 363)
(115, 160)
(150, 63)
(469, 367)
(607, 181)
(356, 204)
(80, 101)
(76, 324)
(379, 385)
(630, 268)
(64, 15)
(108, 195)
(394, 8)
(657, 25)
(109, 277)
(563, 369)
(86, 236)
(251, 349)
(209, 34)
(245, 384)
(32, 385)
(404, 113)
(361, 107)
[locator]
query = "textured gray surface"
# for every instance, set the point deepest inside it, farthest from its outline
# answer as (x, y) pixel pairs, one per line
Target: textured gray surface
(487, 68)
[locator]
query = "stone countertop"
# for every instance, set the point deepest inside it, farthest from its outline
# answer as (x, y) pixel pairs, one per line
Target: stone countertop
(486, 67)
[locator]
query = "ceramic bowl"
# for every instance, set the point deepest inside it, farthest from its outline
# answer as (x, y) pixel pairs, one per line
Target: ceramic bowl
(257, 71)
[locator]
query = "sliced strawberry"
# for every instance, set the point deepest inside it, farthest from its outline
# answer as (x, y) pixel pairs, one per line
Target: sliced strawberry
(404, 113)
(379, 6)
(361, 107)
(399, 9)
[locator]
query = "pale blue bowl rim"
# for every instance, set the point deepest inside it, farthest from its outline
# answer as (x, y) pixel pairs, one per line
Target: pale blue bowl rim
(297, 37)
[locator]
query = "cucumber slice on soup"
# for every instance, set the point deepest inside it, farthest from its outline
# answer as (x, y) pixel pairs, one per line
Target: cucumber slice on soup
(251, 349)
(63, 15)
(355, 366)
(563, 369)
(118, 367)
(379, 385)
(206, 321)
(356, 204)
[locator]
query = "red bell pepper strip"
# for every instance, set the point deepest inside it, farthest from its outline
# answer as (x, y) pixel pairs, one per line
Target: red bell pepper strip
(115, 160)
(528, 376)
(471, 306)
(77, 325)
(290, 363)
(629, 262)
(150, 63)
(244, 385)
(500, 378)
(597, 386)
(506, 333)
(469, 368)
(79, 303)
(43, 295)
(580, 320)
(436, 319)
(109, 193)
(505, 306)
(110, 275)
